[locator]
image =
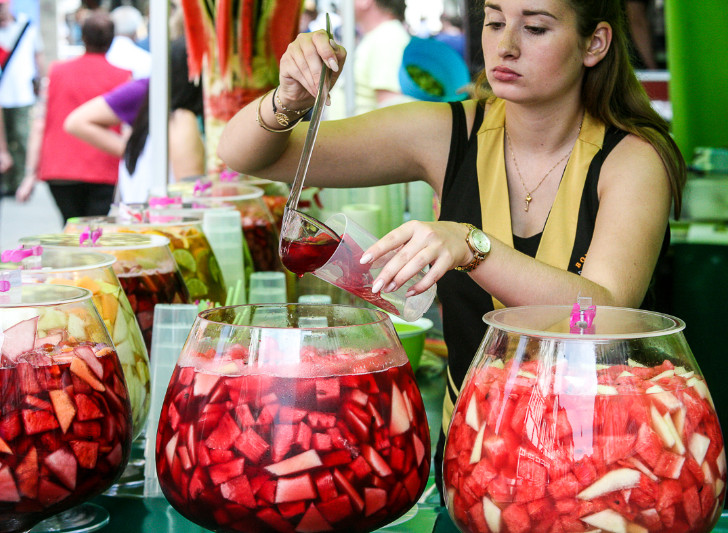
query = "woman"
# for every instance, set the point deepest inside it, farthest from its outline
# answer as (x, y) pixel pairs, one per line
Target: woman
(561, 161)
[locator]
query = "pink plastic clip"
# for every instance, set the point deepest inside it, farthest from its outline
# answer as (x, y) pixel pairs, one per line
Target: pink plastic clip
(18, 254)
(88, 233)
(228, 175)
(200, 187)
(164, 201)
(582, 315)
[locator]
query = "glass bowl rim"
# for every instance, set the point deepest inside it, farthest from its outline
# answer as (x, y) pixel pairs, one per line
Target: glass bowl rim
(152, 241)
(104, 260)
(83, 294)
(677, 326)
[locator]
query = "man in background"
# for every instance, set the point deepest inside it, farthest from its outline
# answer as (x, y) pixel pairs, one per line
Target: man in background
(22, 70)
(124, 52)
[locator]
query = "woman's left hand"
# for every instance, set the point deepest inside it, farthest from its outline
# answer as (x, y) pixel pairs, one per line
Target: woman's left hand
(441, 245)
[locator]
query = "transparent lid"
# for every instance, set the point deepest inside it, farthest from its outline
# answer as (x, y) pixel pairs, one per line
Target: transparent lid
(233, 192)
(150, 220)
(610, 323)
(107, 242)
(34, 295)
(55, 260)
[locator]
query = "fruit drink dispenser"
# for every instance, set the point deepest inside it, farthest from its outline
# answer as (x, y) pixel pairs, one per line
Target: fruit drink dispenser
(144, 265)
(582, 419)
(65, 417)
(94, 271)
(293, 417)
(189, 245)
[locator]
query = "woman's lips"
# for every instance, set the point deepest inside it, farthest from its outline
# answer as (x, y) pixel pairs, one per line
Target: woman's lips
(505, 74)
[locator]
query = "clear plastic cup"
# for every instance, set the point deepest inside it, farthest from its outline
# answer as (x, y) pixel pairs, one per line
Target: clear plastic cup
(267, 287)
(344, 270)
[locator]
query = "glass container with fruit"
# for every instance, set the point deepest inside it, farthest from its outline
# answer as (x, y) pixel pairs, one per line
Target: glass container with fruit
(65, 417)
(582, 419)
(144, 265)
(191, 250)
(94, 271)
(293, 417)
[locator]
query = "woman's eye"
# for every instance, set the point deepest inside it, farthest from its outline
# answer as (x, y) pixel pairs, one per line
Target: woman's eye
(495, 25)
(536, 30)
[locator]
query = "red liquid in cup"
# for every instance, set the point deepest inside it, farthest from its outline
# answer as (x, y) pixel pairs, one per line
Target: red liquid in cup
(65, 431)
(260, 453)
(631, 456)
(307, 255)
(147, 289)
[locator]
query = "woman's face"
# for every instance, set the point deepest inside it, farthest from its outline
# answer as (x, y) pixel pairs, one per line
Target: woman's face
(531, 48)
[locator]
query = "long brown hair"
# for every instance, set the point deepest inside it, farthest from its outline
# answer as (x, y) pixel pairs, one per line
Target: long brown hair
(612, 93)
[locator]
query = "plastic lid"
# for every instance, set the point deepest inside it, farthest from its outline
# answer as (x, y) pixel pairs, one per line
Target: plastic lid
(34, 294)
(610, 323)
(218, 192)
(54, 260)
(107, 242)
(172, 218)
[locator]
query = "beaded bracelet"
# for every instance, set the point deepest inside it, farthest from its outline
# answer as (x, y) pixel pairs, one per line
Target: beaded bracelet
(259, 118)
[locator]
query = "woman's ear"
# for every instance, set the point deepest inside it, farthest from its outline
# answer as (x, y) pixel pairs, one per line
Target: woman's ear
(598, 44)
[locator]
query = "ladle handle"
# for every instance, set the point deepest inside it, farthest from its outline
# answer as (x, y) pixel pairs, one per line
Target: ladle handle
(321, 95)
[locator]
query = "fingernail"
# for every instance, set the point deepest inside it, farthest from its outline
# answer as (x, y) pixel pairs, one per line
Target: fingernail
(333, 44)
(391, 287)
(409, 293)
(365, 259)
(333, 64)
(377, 286)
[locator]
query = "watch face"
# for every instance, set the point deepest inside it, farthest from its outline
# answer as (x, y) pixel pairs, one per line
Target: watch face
(480, 241)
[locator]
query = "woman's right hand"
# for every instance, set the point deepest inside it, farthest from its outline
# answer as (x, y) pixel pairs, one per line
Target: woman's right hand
(300, 68)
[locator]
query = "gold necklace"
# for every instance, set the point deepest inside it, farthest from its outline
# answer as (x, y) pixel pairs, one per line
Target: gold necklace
(523, 183)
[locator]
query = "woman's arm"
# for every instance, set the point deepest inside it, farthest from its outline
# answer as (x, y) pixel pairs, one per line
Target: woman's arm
(634, 205)
(186, 149)
(92, 122)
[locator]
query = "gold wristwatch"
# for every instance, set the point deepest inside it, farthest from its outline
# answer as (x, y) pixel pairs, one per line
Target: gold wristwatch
(479, 244)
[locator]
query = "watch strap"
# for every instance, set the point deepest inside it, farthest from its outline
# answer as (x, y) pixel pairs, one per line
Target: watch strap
(477, 255)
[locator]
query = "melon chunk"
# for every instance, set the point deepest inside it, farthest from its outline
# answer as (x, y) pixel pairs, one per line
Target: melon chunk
(492, 515)
(698, 446)
(607, 520)
(298, 463)
(621, 478)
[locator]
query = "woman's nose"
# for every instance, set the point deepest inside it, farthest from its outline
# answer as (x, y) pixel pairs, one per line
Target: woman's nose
(508, 44)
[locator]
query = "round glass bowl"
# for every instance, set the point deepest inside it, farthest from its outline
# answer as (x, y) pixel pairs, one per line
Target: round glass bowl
(293, 417)
(190, 248)
(607, 425)
(144, 265)
(94, 271)
(65, 417)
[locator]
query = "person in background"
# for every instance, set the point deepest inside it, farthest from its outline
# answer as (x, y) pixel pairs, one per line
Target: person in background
(81, 178)
(555, 181)
(452, 33)
(19, 83)
(643, 54)
(124, 52)
(6, 158)
(377, 58)
(95, 122)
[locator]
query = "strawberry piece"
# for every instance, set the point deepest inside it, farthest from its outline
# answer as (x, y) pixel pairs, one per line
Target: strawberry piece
(565, 487)
(378, 464)
(337, 509)
(319, 420)
(10, 426)
(291, 509)
(90, 430)
(221, 456)
(321, 442)
(274, 520)
(343, 484)
(63, 407)
(530, 469)
(691, 505)
(283, 435)
(36, 422)
(291, 489)
(337, 458)
(63, 464)
(224, 435)
(669, 492)
(80, 369)
(251, 445)
(222, 472)
(325, 485)
(413, 485)
(86, 452)
(313, 521)
(615, 447)
(27, 379)
(238, 490)
(197, 484)
(374, 500)
(584, 471)
(19, 338)
(516, 518)
(50, 494)
(267, 415)
(648, 445)
(8, 488)
(244, 416)
(291, 415)
(669, 465)
(328, 393)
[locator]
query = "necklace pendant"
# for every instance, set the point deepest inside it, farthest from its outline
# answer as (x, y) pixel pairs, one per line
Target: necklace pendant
(528, 201)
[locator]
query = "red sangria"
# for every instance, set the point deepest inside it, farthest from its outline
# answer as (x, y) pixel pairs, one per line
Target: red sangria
(271, 424)
(610, 430)
(65, 416)
(308, 254)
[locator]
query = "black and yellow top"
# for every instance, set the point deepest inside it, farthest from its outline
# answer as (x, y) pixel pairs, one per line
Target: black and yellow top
(485, 203)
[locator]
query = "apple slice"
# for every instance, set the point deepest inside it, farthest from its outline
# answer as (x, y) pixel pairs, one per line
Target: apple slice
(63, 464)
(477, 452)
(313, 521)
(293, 489)
(701, 388)
(679, 446)
(492, 515)
(698, 446)
(19, 338)
(82, 370)
(658, 423)
(419, 448)
(64, 408)
(399, 421)
(608, 520)
(618, 479)
(607, 390)
(472, 416)
(298, 463)
(8, 489)
(663, 398)
(720, 461)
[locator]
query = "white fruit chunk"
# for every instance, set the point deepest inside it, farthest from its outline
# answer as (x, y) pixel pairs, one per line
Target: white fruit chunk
(698, 446)
(399, 421)
(665, 374)
(719, 484)
(720, 461)
(472, 418)
(658, 423)
(636, 528)
(701, 388)
(679, 446)
(497, 363)
(625, 374)
(639, 465)
(632, 362)
(477, 452)
(492, 515)
(297, 463)
(621, 478)
(526, 374)
(678, 418)
(707, 472)
(606, 390)
(608, 520)
(664, 398)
